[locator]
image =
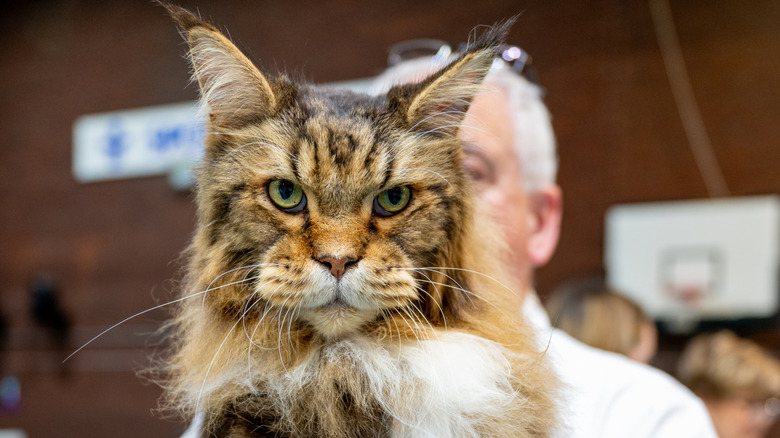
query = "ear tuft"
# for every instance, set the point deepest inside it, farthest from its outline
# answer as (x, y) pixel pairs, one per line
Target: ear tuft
(438, 104)
(185, 19)
(233, 91)
(494, 36)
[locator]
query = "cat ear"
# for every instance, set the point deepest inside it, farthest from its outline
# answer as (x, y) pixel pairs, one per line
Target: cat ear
(439, 103)
(232, 89)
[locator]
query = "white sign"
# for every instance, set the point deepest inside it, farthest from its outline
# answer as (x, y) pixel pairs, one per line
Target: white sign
(139, 142)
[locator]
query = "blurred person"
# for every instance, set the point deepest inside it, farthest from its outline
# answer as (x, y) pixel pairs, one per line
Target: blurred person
(509, 150)
(603, 318)
(738, 381)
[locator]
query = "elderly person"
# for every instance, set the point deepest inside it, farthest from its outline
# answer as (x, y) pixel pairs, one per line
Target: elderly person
(510, 152)
(738, 381)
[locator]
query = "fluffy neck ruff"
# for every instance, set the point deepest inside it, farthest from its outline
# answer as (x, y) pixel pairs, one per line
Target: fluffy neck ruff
(455, 384)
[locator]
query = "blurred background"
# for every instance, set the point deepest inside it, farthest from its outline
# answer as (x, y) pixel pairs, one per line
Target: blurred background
(76, 258)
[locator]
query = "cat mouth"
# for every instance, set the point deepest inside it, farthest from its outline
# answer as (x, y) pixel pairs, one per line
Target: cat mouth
(337, 303)
(337, 318)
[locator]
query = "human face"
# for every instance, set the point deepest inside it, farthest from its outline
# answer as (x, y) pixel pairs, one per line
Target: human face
(490, 159)
(739, 417)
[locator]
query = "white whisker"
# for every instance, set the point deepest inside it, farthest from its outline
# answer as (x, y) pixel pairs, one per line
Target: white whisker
(409, 169)
(259, 265)
(279, 342)
(263, 141)
(436, 269)
(268, 306)
(211, 364)
(468, 292)
(468, 295)
(443, 317)
(178, 300)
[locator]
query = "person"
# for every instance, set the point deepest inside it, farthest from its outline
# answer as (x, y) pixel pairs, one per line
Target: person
(738, 381)
(602, 318)
(510, 152)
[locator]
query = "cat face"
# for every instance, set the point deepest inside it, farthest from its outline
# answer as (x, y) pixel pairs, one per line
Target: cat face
(339, 209)
(329, 214)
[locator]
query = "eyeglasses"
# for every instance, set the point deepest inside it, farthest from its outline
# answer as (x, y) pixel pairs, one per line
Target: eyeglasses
(516, 58)
(772, 407)
(762, 407)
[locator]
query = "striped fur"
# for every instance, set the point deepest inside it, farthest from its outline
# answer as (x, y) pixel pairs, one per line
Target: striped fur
(419, 337)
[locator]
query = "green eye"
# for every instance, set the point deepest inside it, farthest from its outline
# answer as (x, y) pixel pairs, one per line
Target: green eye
(287, 196)
(392, 201)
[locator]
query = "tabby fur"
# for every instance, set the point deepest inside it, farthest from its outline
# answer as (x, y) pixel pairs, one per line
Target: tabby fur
(415, 335)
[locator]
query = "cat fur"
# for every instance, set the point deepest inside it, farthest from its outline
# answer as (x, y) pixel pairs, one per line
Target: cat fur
(419, 337)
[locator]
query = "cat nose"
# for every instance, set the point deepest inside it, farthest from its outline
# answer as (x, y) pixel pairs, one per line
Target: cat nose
(337, 265)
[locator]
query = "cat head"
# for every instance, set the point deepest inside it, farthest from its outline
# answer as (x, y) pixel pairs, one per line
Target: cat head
(329, 208)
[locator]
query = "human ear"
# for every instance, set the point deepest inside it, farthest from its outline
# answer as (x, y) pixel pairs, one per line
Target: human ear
(546, 206)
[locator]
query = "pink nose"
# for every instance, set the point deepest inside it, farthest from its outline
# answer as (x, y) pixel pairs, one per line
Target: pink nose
(337, 265)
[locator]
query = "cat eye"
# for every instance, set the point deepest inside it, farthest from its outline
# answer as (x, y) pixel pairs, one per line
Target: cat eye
(288, 196)
(392, 201)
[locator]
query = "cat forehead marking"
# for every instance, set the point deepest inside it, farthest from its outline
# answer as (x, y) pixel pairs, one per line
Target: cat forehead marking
(340, 140)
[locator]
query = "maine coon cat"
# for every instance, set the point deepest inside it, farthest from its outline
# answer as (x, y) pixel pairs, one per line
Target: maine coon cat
(339, 283)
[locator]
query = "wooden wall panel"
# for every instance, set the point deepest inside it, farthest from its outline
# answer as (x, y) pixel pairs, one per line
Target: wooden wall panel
(112, 246)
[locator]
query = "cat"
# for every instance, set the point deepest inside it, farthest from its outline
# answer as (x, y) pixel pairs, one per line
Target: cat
(340, 281)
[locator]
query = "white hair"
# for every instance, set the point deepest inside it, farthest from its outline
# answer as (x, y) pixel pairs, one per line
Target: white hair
(534, 141)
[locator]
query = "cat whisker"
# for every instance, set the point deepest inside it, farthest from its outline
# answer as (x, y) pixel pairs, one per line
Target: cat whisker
(283, 312)
(418, 321)
(443, 317)
(468, 292)
(409, 169)
(439, 128)
(472, 294)
(259, 265)
(405, 144)
(248, 308)
(480, 127)
(251, 337)
(211, 364)
(409, 321)
(441, 310)
(293, 315)
(281, 326)
(439, 114)
(434, 331)
(424, 334)
(178, 300)
(268, 306)
(468, 295)
(263, 141)
(438, 268)
(412, 322)
(388, 318)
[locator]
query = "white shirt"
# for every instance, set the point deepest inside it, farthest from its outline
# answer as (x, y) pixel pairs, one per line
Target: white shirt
(606, 395)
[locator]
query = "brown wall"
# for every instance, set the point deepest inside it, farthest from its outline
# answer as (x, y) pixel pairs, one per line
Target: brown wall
(112, 246)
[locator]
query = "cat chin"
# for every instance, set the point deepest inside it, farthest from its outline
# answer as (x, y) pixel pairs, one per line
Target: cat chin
(337, 320)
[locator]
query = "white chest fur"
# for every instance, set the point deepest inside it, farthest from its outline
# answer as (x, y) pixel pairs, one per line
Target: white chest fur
(455, 385)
